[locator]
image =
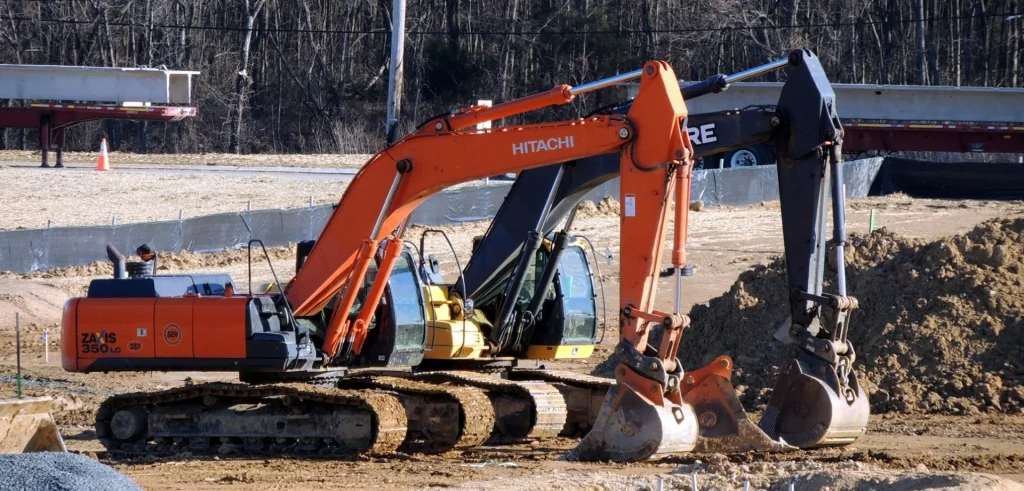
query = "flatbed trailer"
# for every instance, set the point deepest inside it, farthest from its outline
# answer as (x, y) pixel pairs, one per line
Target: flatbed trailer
(53, 120)
(61, 97)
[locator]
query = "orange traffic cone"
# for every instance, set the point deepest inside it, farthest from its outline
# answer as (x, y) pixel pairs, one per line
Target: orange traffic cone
(103, 163)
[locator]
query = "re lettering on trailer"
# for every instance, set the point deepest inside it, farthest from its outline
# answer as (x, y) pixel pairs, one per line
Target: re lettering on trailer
(534, 146)
(704, 133)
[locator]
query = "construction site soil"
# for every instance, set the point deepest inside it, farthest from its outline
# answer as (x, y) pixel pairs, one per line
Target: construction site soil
(938, 338)
(941, 328)
(35, 198)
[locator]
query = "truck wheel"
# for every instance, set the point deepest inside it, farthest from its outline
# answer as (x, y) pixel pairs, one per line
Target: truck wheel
(748, 157)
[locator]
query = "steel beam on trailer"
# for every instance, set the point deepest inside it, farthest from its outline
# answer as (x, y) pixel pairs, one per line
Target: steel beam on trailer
(896, 137)
(882, 102)
(95, 84)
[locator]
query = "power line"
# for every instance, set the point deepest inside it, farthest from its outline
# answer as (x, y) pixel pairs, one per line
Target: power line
(517, 33)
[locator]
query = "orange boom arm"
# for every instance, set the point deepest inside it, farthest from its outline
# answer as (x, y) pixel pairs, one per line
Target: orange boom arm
(433, 161)
(378, 202)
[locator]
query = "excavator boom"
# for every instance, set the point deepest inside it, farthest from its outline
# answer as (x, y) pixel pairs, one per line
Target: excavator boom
(397, 179)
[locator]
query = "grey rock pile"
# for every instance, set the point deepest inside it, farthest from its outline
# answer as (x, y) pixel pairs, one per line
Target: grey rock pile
(58, 471)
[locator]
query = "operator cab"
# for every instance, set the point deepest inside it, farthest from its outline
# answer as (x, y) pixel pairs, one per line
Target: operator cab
(567, 324)
(568, 320)
(402, 342)
(423, 320)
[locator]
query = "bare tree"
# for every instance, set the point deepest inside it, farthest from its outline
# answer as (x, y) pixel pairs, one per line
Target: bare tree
(252, 9)
(309, 73)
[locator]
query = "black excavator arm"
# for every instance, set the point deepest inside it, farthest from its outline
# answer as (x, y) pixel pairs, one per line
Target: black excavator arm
(810, 171)
(540, 199)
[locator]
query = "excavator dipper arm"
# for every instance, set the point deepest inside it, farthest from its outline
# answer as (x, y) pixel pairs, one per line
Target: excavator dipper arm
(818, 399)
(643, 415)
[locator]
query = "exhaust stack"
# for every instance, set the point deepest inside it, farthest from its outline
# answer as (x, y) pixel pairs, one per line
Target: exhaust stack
(115, 256)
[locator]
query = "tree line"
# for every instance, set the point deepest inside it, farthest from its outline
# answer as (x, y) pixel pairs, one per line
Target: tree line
(310, 76)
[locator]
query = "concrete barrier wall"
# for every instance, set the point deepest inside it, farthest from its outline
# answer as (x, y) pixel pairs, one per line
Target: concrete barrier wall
(30, 250)
(750, 185)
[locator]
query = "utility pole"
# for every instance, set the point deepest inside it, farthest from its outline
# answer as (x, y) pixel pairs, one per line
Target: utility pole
(395, 74)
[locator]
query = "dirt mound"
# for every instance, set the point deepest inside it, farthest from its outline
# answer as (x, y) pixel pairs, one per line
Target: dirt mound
(940, 328)
(39, 306)
(608, 206)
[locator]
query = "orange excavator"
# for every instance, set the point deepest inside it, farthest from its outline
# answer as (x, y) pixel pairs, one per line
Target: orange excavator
(299, 353)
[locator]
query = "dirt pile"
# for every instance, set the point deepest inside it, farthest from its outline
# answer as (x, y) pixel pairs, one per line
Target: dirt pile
(608, 206)
(940, 327)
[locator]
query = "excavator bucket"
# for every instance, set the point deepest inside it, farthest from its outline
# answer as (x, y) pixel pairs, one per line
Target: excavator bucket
(725, 426)
(813, 405)
(26, 425)
(630, 427)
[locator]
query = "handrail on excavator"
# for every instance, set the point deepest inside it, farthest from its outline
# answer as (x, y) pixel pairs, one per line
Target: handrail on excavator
(561, 94)
(564, 94)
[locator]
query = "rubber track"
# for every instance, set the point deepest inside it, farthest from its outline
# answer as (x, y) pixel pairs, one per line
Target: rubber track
(549, 411)
(388, 412)
(476, 418)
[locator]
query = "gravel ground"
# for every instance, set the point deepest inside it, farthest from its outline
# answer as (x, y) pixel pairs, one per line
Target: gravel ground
(33, 196)
(59, 471)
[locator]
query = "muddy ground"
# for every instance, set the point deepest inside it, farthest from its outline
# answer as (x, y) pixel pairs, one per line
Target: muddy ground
(917, 451)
